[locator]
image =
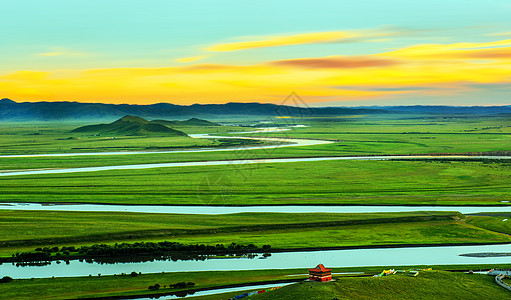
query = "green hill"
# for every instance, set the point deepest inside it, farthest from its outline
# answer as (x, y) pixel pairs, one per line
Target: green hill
(427, 285)
(189, 122)
(131, 125)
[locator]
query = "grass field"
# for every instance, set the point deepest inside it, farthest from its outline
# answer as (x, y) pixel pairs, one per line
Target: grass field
(500, 222)
(353, 136)
(432, 285)
(25, 230)
(427, 285)
(33, 138)
(328, 182)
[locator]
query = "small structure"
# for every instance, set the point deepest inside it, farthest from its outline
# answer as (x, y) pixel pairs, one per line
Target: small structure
(320, 273)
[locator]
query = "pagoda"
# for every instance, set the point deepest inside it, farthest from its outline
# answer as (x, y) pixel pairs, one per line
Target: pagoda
(320, 273)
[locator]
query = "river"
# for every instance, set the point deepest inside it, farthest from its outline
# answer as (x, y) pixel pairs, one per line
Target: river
(385, 257)
(286, 142)
(219, 210)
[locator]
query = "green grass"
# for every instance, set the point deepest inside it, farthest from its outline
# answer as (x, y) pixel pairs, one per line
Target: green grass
(26, 230)
(358, 136)
(33, 138)
(81, 287)
(328, 182)
(427, 285)
(498, 222)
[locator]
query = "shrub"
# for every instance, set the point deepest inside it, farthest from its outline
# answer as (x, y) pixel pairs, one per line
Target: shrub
(6, 279)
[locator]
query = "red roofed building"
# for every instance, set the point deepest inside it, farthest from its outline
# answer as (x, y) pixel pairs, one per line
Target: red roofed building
(320, 273)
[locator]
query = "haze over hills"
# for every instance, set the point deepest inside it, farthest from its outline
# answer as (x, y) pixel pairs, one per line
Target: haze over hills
(62, 111)
(444, 109)
(56, 111)
(131, 125)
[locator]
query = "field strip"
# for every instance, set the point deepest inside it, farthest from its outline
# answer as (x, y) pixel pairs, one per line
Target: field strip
(240, 162)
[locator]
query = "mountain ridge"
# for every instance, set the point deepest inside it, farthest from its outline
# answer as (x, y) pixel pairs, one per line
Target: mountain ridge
(63, 110)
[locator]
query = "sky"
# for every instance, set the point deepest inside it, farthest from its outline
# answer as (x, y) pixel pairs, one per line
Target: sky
(330, 53)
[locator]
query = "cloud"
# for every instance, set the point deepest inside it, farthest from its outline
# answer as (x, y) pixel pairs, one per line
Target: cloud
(504, 53)
(191, 59)
(283, 40)
(336, 62)
(61, 52)
(508, 33)
(491, 86)
(375, 35)
(499, 48)
(387, 88)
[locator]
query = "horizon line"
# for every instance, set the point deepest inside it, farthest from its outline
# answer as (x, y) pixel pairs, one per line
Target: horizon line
(256, 102)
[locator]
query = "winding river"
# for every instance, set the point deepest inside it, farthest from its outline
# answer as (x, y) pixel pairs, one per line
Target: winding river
(441, 255)
(284, 142)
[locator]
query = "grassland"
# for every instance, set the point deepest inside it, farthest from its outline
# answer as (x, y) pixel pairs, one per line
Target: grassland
(33, 138)
(352, 136)
(432, 285)
(498, 222)
(328, 182)
(334, 182)
(428, 285)
(25, 230)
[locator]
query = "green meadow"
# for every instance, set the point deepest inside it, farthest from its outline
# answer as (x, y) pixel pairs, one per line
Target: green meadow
(327, 182)
(362, 136)
(391, 182)
(498, 222)
(34, 138)
(26, 230)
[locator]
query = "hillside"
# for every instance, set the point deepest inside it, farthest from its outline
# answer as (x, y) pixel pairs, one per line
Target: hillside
(131, 125)
(427, 285)
(189, 122)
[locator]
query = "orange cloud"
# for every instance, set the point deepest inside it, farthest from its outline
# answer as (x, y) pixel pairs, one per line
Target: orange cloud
(335, 62)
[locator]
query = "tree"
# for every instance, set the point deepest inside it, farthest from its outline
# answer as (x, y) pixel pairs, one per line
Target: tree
(6, 279)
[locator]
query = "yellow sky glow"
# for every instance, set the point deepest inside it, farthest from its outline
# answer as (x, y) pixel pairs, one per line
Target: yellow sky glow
(435, 68)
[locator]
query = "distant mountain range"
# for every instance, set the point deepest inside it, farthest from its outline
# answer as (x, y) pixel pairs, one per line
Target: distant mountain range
(441, 109)
(59, 111)
(55, 111)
